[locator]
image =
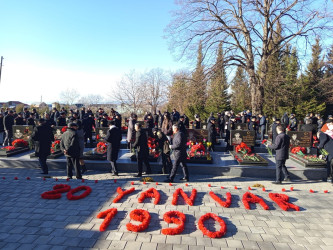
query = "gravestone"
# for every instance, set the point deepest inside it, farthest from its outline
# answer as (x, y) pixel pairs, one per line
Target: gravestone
(197, 134)
(101, 134)
(246, 136)
(241, 126)
(22, 132)
(300, 138)
(58, 131)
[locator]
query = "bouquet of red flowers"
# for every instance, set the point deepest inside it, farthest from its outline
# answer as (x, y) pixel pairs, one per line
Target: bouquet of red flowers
(101, 147)
(20, 143)
(64, 129)
(264, 142)
(55, 146)
(299, 151)
(8, 148)
(243, 148)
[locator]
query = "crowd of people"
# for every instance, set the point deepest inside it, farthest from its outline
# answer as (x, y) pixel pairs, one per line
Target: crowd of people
(169, 129)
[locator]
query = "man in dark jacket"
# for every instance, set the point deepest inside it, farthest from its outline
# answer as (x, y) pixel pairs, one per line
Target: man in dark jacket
(113, 138)
(262, 126)
(2, 129)
(88, 123)
(61, 121)
(31, 120)
(276, 123)
(326, 142)
(293, 122)
(179, 152)
(211, 134)
(281, 147)
(118, 120)
(49, 121)
(8, 123)
(285, 119)
(26, 115)
(181, 125)
(54, 114)
(82, 113)
(19, 120)
(141, 145)
(43, 137)
(164, 147)
(70, 145)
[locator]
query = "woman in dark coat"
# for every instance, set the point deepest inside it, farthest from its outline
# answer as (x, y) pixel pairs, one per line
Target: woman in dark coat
(113, 138)
(167, 126)
(211, 133)
(43, 137)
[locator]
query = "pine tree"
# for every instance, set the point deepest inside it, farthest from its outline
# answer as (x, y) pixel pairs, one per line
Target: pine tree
(326, 85)
(240, 91)
(197, 88)
(218, 98)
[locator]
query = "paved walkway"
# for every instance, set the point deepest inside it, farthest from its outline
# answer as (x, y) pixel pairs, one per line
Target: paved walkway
(30, 222)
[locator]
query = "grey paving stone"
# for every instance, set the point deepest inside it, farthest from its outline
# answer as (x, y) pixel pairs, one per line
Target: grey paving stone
(117, 244)
(149, 246)
(234, 243)
(133, 245)
(161, 246)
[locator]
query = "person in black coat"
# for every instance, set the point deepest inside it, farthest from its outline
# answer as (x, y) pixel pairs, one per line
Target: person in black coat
(326, 142)
(43, 137)
(293, 122)
(26, 114)
(54, 114)
(164, 147)
(308, 127)
(285, 119)
(274, 132)
(31, 120)
(253, 125)
(181, 125)
(179, 152)
(61, 121)
(19, 120)
(113, 138)
(211, 133)
(88, 123)
(281, 147)
(118, 120)
(262, 125)
(2, 129)
(160, 119)
(8, 123)
(104, 121)
(141, 145)
(186, 121)
(49, 121)
(70, 145)
(197, 123)
(82, 113)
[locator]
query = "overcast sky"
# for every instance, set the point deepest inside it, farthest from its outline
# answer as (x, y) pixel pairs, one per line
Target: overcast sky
(50, 46)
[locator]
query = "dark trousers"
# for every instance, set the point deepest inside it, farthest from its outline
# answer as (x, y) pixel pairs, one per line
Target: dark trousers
(281, 167)
(8, 138)
(114, 168)
(262, 132)
(144, 160)
(43, 165)
(330, 166)
(166, 163)
(73, 162)
(175, 166)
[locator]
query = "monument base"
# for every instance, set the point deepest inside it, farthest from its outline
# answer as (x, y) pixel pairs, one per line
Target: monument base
(243, 160)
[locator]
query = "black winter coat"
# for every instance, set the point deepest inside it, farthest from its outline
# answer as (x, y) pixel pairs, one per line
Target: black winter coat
(70, 143)
(179, 146)
(113, 138)
(211, 133)
(326, 142)
(19, 121)
(141, 143)
(2, 127)
(43, 137)
(8, 122)
(281, 146)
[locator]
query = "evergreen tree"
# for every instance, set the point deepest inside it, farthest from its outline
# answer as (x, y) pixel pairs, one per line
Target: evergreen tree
(197, 88)
(218, 99)
(326, 85)
(240, 91)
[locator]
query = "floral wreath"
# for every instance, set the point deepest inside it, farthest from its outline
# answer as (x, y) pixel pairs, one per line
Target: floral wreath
(282, 201)
(205, 231)
(20, 143)
(189, 200)
(101, 147)
(251, 198)
(108, 216)
(139, 215)
(175, 217)
(56, 192)
(150, 193)
(226, 203)
(122, 193)
(87, 191)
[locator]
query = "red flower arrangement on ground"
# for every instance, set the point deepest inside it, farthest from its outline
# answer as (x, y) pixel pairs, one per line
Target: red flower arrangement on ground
(122, 193)
(175, 217)
(56, 192)
(251, 198)
(189, 200)
(87, 191)
(226, 203)
(150, 193)
(101, 147)
(8, 148)
(243, 148)
(20, 143)
(55, 146)
(282, 201)
(299, 151)
(205, 231)
(64, 129)
(139, 215)
(108, 216)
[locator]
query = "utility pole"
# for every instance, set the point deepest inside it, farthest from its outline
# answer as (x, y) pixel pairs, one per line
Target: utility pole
(1, 67)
